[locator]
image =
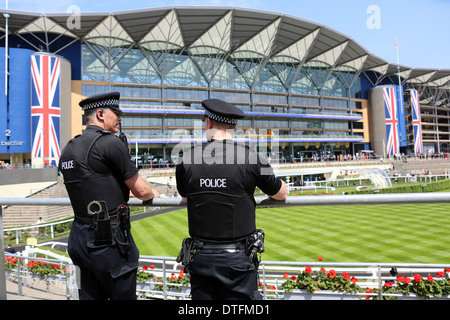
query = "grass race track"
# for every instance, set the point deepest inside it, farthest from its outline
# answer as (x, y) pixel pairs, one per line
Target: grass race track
(377, 233)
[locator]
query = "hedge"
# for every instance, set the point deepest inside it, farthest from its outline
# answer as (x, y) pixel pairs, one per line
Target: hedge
(415, 188)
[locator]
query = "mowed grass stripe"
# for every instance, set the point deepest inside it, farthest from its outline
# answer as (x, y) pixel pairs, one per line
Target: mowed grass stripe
(377, 233)
(161, 235)
(384, 225)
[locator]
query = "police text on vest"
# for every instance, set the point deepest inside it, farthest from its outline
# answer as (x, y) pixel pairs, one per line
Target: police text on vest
(67, 165)
(213, 182)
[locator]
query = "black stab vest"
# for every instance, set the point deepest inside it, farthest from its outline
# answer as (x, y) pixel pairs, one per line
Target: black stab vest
(219, 207)
(82, 183)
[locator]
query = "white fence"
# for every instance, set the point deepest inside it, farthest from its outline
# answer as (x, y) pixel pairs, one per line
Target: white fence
(272, 274)
(270, 271)
(19, 230)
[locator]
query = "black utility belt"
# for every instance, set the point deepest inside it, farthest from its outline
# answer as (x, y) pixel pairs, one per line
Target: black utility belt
(253, 244)
(219, 247)
(114, 219)
(100, 218)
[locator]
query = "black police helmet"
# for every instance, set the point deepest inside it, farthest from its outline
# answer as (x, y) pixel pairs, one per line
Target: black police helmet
(222, 111)
(102, 100)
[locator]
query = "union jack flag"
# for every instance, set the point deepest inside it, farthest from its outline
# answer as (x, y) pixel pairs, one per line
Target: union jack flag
(417, 125)
(390, 104)
(45, 108)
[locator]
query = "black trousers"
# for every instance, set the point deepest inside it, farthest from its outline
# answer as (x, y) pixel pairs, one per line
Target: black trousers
(96, 285)
(107, 272)
(224, 276)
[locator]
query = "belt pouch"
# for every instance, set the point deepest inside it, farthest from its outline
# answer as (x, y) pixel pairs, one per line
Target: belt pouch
(124, 217)
(102, 228)
(102, 223)
(185, 255)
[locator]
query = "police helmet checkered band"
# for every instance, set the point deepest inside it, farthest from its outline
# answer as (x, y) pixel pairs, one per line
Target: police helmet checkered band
(222, 111)
(220, 118)
(102, 100)
(102, 104)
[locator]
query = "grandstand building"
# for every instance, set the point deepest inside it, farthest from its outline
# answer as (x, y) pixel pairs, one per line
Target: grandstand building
(307, 90)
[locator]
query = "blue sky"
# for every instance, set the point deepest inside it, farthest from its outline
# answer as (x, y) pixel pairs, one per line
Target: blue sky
(421, 27)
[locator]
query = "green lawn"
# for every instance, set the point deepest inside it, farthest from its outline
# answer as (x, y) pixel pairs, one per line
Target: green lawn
(381, 233)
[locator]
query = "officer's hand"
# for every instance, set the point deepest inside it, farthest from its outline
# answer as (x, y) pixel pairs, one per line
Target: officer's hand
(155, 193)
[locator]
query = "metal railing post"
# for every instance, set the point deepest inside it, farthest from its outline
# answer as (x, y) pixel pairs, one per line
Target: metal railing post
(2, 257)
(19, 274)
(66, 266)
(164, 280)
(379, 284)
(264, 280)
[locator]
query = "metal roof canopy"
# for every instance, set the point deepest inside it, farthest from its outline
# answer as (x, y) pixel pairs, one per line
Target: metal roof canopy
(194, 21)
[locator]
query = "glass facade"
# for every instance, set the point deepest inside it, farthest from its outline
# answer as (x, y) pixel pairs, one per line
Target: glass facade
(304, 82)
(163, 81)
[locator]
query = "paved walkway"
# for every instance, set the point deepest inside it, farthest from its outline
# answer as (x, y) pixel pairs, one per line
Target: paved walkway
(37, 290)
(22, 190)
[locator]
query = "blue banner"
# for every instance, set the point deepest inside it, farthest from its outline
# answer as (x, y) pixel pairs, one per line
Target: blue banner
(15, 126)
(401, 117)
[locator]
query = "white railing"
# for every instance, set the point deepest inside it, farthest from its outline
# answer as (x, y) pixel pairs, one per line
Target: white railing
(391, 198)
(272, 275)
(18, 230)
(275, 267)
(64, 275)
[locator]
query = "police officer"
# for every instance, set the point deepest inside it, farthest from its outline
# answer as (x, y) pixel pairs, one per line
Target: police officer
(99, 175)
(218, 180)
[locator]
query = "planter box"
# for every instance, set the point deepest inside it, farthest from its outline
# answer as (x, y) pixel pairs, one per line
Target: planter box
(319, 295)
(416, 297)
(145, 286)
(337, 295)
(182, 289)
(11, 275)
(186, 290)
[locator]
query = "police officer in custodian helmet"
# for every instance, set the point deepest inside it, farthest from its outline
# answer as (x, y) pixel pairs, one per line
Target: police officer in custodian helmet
(218, 180)
(99, 175)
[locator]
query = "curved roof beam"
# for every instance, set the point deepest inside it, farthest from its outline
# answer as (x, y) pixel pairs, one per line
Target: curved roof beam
(329, 58)
(44, 25)
(422, 78)
(166, 35)
(251, 56)
(379, 73)
(353, 65)
(164, 43)
(143, 72)
(108, 33)
(260, 44)
(298, 51)
(287, 63)
(109, 42)
(352, 69)
(217, 37)
(209, 50)
(441, 82)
